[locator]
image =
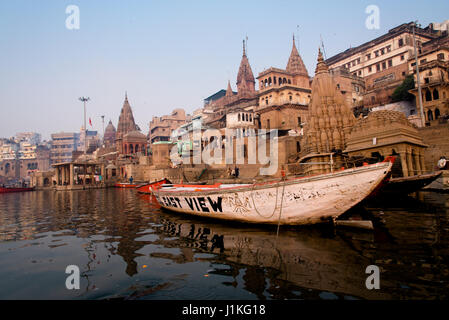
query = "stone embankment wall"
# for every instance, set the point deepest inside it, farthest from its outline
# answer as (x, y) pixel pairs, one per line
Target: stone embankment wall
(437, 137)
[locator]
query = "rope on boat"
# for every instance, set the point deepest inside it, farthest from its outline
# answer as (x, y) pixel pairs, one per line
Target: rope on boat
(275, 204)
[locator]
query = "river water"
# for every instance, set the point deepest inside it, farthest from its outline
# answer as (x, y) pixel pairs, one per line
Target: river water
(127, 248)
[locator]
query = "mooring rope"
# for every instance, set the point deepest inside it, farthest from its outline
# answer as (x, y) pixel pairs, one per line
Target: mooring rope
(275, 204)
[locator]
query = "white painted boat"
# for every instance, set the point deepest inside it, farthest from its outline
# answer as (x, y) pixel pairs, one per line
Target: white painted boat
(295, 201)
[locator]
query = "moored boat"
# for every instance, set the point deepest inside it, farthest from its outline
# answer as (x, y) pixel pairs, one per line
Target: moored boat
(293, 201)
(13, 189)
(147, 188)
(125, 185)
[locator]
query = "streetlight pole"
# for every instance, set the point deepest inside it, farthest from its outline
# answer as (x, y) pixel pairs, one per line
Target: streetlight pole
(102, 120)
(84, 100)
(418, 80)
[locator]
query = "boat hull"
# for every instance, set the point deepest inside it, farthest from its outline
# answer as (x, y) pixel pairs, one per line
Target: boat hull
(125, 185)
(10, 190)
(299, 201)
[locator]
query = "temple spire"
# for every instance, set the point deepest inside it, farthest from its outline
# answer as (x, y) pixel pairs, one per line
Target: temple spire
(245, 77)
(321, 66)
(295, 64)
(229, 90)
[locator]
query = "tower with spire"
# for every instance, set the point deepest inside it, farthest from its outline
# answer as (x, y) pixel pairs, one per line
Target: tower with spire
(126, 123)
(245, 77)
(330, 119)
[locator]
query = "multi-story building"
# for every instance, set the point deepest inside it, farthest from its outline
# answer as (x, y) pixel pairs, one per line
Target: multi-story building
(31, 137)
(433, 64)
(284, 95)
(62, 146)
(161, 127)
(383, 62)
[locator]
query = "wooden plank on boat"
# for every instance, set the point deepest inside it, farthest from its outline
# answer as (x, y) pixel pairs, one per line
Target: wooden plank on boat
(360, 224)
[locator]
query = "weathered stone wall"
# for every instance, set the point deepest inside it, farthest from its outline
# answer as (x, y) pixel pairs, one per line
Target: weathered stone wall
(437, 137)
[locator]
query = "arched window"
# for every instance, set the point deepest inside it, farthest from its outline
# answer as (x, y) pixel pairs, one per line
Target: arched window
(429, 115)
(137, 148)
(289, 82)
(436, 94)
(246, 117)
(251, 117)
(274, 80)
(239, 117)
(131, 148)
(428, 95)
(280, 80)
(437, 113)
(298, 146)
(126, 148)
(269, 81)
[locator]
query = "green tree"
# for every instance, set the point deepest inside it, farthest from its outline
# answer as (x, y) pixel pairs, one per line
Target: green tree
(401, 92)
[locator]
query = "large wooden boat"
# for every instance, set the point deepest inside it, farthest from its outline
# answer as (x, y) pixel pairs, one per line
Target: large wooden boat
(293, 201)
(13, 189)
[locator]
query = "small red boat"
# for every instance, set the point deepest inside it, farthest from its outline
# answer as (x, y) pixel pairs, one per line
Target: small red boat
(125, 185)
(13, 189)
(148, 188)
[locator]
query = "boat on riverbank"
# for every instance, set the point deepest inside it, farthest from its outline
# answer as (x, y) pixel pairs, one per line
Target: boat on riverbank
(292, 201)
(13, 189)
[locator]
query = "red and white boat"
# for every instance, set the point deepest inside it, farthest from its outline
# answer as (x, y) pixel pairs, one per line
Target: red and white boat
(125, 185)
(293, 201)
(13, 189)
(148, 188)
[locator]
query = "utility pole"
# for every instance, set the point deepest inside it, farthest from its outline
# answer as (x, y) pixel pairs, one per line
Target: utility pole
(84, 100)
(418, 80)
(102, 120)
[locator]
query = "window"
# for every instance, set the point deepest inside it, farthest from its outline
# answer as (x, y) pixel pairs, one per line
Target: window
(358, 60)
(299, 121)
(440, 56)
(384, 65)
(360, 73)
(390, 63)
(268, 123)
(377, 67)
(428, 96)
(402, 57)
(388, 48)
(368, 56)
(382, 51)
(423, 61)
(436, 95)
(376, 53)
(401, 42)
(370, 69)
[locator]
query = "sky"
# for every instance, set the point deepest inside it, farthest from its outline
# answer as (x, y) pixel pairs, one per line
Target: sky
(164, 54)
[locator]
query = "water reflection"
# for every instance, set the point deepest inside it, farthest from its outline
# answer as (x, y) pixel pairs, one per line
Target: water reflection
(127, 248)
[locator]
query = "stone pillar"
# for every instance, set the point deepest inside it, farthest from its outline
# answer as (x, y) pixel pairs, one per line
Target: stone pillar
(71, 174)
(63, 174)
(410, 164)
(57, 175)
(417, 164)
(404, 164)
(421, 160)
(103, 173)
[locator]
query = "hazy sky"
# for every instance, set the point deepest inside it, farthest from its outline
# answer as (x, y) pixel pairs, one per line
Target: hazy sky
(166, 54)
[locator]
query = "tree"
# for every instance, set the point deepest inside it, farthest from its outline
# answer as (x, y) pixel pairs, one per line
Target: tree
(401, 92)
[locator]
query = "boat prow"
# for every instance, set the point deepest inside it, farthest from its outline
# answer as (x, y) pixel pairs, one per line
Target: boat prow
(293, 201)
